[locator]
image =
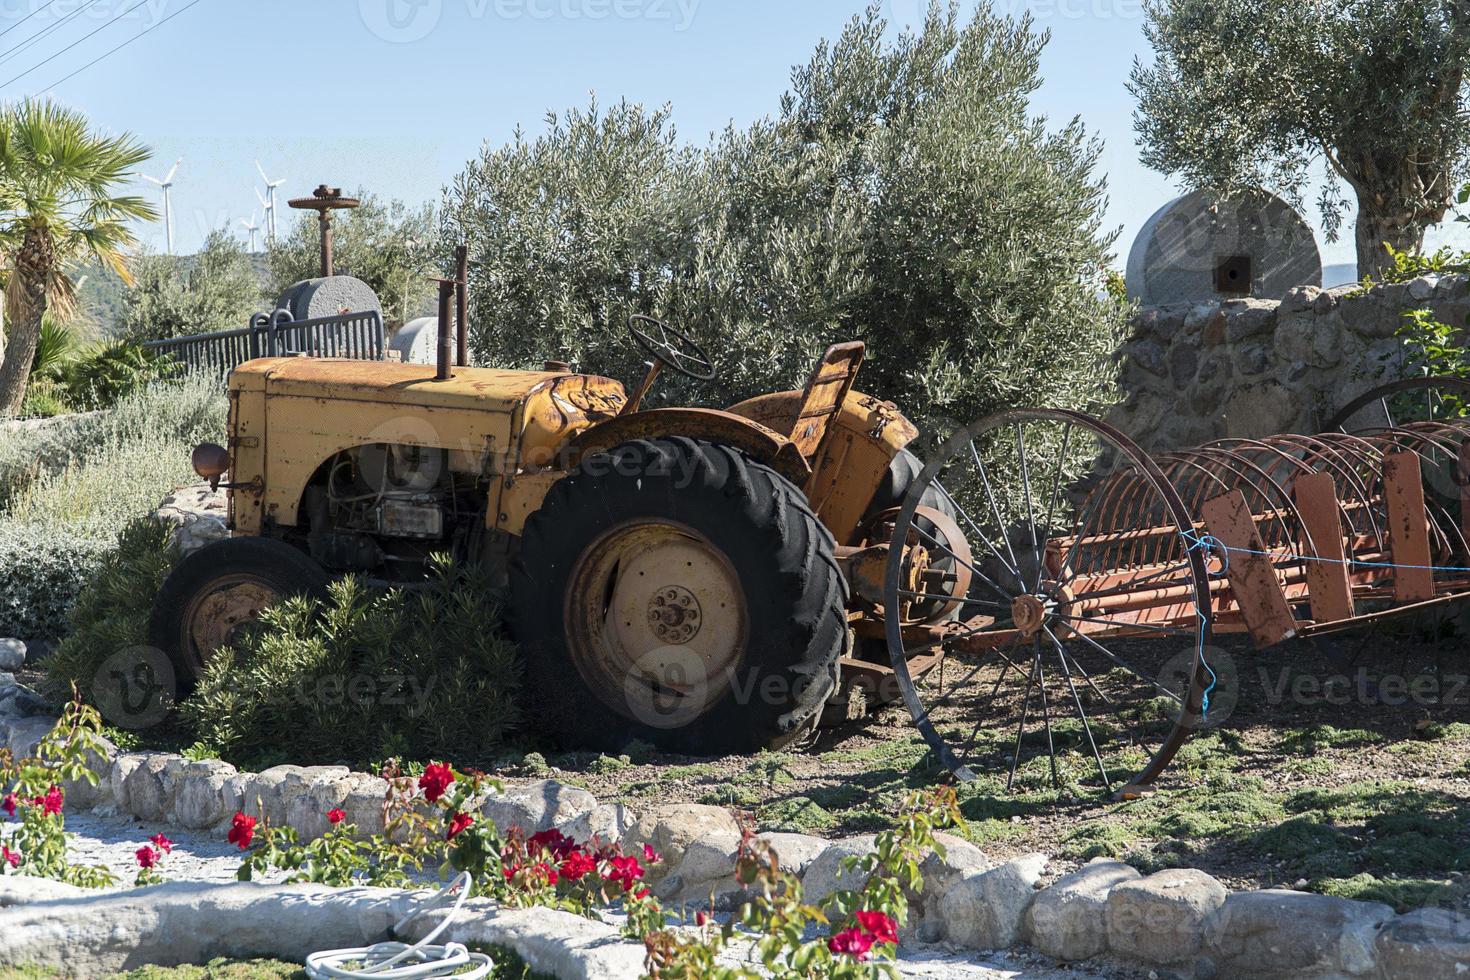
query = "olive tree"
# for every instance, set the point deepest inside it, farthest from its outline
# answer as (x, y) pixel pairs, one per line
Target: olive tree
(903, 193)
(1256, 92)
(214, 289)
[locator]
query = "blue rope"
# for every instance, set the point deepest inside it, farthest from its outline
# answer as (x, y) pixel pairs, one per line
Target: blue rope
(1208, 543)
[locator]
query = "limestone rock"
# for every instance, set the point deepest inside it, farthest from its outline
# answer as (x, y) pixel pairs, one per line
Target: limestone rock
(199, 516)
(1247, 318)
(1067, 920)
(986, 910)
(81, 794)
(538, 806)
(148, 787)
(266, 793)
(1429, 942)
(209, 793)
(27, 733)
(705, 876)
(309, 794)
(25, 890)
(607, 822)
(825, 875)
(12, 655)
(671, 829)
(1160, 919)
(363, 803)
(794, 852)
(1279, 933)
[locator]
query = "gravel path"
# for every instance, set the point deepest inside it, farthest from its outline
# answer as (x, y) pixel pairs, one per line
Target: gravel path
(112, 841)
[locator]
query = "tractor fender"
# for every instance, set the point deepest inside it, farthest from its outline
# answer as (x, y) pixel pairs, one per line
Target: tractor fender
(760, 443)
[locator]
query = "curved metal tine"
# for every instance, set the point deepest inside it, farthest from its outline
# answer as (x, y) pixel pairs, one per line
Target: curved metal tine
(1000, 524)
(1081, 713)
(1021, 728)
(1014, 568)
(1325, 449)
(1094, 500)
(914, 526)
(1113, 657)
(1030, 510)
(1051, 506)
(1287, 506)
(1051, 748)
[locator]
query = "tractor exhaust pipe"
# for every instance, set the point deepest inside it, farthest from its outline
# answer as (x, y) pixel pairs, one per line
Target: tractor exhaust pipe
(446, 338)
(461, 304)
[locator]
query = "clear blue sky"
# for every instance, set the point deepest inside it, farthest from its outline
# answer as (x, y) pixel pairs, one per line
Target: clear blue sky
(395, 95)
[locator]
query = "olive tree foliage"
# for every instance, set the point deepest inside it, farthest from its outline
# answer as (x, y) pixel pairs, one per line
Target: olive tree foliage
(904, 194)
(387, 244)
(214, 289)
(1255, 92)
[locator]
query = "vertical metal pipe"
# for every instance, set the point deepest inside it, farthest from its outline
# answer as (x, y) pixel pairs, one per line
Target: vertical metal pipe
(461, 302)
(446, 339)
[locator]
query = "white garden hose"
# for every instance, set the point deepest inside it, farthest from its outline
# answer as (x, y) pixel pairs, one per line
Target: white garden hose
(421, 961)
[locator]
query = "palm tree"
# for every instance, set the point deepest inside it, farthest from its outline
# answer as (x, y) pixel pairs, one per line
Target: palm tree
(57, 178)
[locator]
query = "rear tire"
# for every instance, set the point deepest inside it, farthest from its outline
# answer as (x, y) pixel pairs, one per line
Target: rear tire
(679, 593)
(221, 589)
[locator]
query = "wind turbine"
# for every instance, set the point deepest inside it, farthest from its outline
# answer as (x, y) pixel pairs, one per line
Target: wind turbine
(168, 214)
(270, 202)
(252, 228)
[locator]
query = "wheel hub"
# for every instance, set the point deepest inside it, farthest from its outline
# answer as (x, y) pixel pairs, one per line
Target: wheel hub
(1030, 613)
(674, 614)
(219, 615)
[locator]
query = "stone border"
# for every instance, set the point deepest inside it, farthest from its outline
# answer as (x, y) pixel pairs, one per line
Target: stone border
(1180, 921)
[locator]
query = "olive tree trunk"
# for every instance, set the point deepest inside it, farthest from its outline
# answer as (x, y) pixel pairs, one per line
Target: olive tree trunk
(1404, 231)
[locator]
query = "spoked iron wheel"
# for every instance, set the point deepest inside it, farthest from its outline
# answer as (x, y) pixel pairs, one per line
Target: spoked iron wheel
(1402, 403)
(1077, 658)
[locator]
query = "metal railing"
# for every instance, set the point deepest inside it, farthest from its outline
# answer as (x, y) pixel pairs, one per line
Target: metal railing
(359, 336)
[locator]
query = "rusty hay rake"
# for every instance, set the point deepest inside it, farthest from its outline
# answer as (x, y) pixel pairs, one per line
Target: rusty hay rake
(1098, 574)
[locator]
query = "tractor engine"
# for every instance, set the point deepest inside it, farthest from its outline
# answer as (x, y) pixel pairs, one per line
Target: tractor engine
(385, 508)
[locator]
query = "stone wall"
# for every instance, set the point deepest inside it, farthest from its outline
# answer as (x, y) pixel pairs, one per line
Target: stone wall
(1252, 367)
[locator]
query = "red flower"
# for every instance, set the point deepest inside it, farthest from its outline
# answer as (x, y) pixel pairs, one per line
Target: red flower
(624, 870)
(52, 801)
(10, 857)
(435, 780)
(458, 824)
(334, 817)
(851, 942)
(147, 857)
(650, 856)
(547, 872)
(162, 843)
(878, 925)
(641, 894)
(553, 841)
(701, 918)
(242, 831)
(576, 865)
(8, 804)
(510, 871)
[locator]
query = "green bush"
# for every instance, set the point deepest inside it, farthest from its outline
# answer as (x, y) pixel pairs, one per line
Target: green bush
(111, 612)
(366, 675)
(905, 194)
(68, 487)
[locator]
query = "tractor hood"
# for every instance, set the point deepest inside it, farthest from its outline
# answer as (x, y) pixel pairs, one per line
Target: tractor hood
(384, 382)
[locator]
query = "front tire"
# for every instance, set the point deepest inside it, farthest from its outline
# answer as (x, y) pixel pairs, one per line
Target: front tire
(219, 591)
(679, 593)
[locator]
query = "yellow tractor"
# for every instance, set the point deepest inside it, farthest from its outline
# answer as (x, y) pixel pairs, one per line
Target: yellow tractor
(691, 577)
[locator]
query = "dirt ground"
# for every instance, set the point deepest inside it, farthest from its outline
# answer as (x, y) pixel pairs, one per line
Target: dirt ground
(1359, 788)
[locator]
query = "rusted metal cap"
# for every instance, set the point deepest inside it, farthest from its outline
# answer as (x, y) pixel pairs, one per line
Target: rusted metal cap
(325, 198)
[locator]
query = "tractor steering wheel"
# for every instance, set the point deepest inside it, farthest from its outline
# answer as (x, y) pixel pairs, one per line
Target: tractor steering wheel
(671, 347)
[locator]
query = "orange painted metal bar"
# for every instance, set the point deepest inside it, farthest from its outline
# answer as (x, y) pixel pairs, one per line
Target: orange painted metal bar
(1253, 583)
(1330, 591)
(1408, 527)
